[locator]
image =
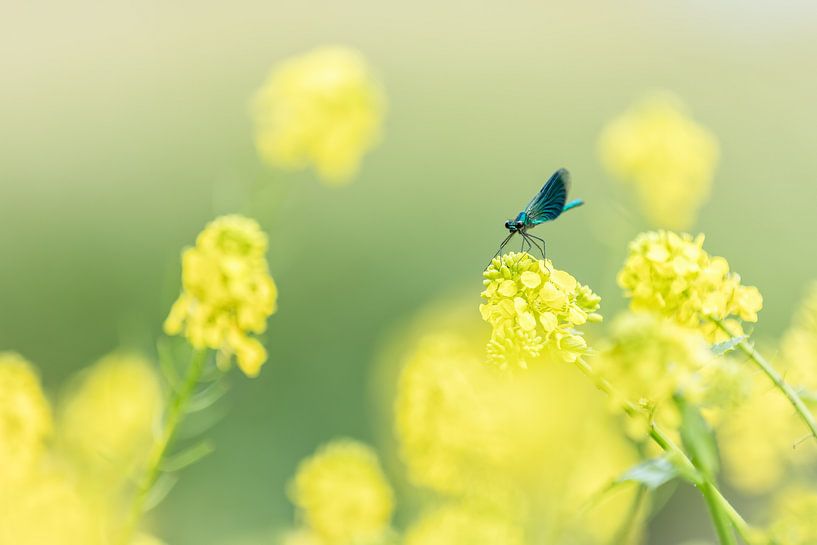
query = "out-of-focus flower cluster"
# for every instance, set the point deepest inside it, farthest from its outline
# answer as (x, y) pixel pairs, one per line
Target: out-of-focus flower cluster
(485, 442)
(227, 292)
(672, 275)
(324, 109)
(461, 523)
(67, 489)
(532, 307)
(794, 517)
(343, 496)
(758, 437)
(668, 158)
(799, 345)
(651, 360)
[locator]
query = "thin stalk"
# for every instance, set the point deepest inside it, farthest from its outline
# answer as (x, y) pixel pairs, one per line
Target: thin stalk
(175, 413)
(793, 397)
(723, 513)
(722, 523)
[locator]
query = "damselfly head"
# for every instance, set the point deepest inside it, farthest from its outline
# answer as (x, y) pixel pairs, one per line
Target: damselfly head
(514, 226)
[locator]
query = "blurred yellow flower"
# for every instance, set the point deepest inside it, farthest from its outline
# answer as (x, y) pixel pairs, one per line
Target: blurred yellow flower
(227, 292)
(532, 306)
(668, 158)
(649, 360)
(108, 419)
(52, 509)
(463, 524)
(322, 108)
(757, 440)
(799, 345)
(25, 418)
(343, 494)
(671, 274)
(794, 517)
(519, 442)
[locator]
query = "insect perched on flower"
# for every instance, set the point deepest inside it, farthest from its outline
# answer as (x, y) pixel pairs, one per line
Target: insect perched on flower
(547, 205)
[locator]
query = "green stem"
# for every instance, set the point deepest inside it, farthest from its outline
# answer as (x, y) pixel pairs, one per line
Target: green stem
(724, 515)
(722, 523)
(776, 378)
(175, 413)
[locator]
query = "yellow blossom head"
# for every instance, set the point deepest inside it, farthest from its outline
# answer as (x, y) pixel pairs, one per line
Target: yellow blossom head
(757, 440)
(666, 157)
(649, 360)
(324, 109)
(532, 307)
(108, 419)
(794, 517)
(799, 345)
(465, 524)
(227, 291)
(52, 509)
(672, 275)
(518, 442)
(343, 495)
(25, 418)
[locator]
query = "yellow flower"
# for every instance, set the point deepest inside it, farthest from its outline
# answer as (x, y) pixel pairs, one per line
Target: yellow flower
(756, 440)
(322, 108)
(671, 274)
(462, 524)
(668, 158)
(648, 360)
(227, 292)
(799, 345)
(343, 494)
(52, 509)
(794, 517)
(532, 307)
(520, 442)
(108, 420)
(25, 418)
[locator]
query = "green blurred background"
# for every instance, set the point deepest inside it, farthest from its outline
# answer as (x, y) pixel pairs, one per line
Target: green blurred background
(126, 127)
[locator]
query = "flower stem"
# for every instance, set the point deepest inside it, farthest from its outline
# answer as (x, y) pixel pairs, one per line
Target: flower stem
(724, 515)
(175, 413)
(721, 521)
(776, 378)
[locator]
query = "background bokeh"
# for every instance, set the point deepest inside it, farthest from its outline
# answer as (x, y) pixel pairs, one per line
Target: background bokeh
(126, 127)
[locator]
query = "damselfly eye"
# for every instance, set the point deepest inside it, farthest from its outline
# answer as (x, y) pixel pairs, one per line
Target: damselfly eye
(507, 225)
(519, 225)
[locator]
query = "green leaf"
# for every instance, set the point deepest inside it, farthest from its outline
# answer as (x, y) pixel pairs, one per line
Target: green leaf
(698, 439)
(651, 473)
(167, 362)
(206, 397)
(187, 457)
(726, 346)
(161, 488)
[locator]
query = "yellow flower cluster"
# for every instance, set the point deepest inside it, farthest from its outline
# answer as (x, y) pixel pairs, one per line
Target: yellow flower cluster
(343, 495)
(532, 307)
(322, 108)
(794, 517)
(62, 492)
(799, 345)
(648, 360)
(227, 292)
(756, 440)
(668, 158)
(671, 274)
(464, 524)
(470, 432)
(25, 418)
(107, 422)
